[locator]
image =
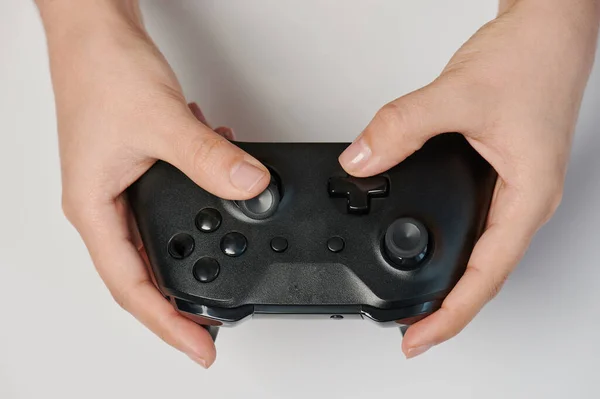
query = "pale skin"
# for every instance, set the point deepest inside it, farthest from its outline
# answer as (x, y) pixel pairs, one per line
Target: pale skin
(513, 90)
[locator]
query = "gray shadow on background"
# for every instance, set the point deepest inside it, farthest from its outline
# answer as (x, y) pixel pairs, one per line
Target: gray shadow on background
(231, 92)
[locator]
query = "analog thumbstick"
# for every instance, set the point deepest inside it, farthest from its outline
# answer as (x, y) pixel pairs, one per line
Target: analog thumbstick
(263, 205)
(406, 243)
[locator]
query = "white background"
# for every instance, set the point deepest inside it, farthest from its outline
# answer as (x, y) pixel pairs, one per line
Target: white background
(281, 70)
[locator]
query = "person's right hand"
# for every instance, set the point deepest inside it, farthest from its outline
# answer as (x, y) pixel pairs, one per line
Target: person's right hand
(119, 109)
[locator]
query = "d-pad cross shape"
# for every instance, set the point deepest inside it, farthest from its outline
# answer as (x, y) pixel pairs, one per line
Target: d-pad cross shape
(358, 191)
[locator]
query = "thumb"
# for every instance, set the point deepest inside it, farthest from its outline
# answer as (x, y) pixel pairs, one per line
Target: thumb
(402, 127)
(214, 163)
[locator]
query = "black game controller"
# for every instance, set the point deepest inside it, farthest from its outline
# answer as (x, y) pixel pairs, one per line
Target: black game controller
(317, 242)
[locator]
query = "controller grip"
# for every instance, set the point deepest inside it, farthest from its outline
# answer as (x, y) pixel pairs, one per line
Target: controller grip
(212, 330)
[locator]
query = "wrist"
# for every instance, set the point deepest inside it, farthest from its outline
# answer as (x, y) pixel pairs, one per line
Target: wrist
(66, 21)
(569, 8)
(566, 26)
(92, 41)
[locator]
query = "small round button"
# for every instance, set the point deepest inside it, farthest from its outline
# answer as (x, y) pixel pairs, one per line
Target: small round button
(181, 246)
(208, 220)
(206, 269)
(279, 244)
(234, 244)
(335, 244)
(406, 241)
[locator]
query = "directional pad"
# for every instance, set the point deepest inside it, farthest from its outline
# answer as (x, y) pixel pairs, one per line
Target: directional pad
(358, 191)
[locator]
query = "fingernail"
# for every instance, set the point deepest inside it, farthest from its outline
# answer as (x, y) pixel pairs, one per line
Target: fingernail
(419, 350)
(245, 176)
(357, 155)
(199, 360)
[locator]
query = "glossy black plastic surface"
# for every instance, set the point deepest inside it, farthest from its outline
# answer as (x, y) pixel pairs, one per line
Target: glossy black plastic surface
(208, 220)
(446, 186)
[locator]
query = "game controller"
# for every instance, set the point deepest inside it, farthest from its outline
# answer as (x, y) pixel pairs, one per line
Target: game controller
(317, 242)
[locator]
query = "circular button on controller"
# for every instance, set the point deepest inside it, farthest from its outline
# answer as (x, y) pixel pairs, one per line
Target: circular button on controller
(406, 241)
(206, 269)
(279, 244)
(208, 220)
(234, 244)
(181, 246)
(263, 205)
(336, 244)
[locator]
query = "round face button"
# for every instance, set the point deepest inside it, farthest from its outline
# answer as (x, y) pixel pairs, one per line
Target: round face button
(206, 270)
(279, 244)
(335, 244)
(181, 246)
(208, 220)
(234, 244)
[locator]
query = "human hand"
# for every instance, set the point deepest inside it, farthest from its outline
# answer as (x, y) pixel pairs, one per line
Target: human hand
(514, 91)
(119, 109)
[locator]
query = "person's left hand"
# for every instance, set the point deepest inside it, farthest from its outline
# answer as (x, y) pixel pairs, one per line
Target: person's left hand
(514, 91)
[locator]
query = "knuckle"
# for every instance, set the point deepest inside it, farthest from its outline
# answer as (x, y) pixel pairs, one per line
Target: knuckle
(67, 208)
(70, 207)
(543, 187)
(391, 117)
(126, 299)
(123, 298)
(492, 283)
(459, 320)
(402, 121)
(554, 201)
(120, 298)
(550, 200)
(76, 207)
(205, 154)
(496, 286)
(169, 318)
